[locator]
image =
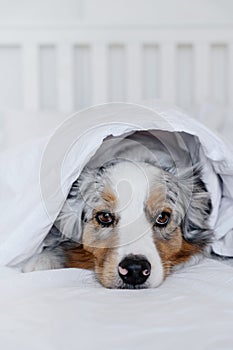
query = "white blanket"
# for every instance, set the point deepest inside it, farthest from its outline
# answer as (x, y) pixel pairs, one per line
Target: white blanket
(35, 180)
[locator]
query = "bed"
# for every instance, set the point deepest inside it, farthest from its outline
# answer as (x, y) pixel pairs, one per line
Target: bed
(67, 308)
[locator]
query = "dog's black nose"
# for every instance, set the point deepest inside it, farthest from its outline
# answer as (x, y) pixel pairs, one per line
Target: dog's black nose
(134, 269)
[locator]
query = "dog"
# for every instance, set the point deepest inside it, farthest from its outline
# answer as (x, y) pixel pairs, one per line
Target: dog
(131, 221)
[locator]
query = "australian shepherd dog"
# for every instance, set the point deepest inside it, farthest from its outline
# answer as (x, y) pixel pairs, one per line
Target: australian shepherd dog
(131, 221)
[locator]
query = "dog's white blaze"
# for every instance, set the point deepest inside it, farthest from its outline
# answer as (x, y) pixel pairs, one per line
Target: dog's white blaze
(132, 185)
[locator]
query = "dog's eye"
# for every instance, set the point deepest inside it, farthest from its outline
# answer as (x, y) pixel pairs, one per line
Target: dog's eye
(162, 219)
(104, 218)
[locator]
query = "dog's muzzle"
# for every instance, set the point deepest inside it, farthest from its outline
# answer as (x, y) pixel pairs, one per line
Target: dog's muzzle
(134, 270)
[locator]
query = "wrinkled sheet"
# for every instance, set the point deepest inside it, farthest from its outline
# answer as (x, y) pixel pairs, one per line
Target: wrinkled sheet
(67, 309)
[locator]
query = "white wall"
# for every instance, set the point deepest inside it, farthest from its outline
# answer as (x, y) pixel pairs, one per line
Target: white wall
(57, 56)
(117, 12)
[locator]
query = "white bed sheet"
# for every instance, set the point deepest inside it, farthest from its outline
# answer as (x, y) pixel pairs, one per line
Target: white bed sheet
(67, 309)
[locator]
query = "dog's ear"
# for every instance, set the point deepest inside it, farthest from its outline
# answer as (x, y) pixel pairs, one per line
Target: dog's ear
(70, 219)
(195, 222)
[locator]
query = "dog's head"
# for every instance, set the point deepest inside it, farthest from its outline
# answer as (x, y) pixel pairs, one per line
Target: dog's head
(138, 221)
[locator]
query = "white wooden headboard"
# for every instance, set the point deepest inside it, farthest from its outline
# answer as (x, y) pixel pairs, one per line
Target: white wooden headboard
(73, 68)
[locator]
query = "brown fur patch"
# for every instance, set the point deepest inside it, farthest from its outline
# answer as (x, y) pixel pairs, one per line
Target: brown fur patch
(156, 201)
(104, 253)
(109, 196)
(93, 258)
(105, 265)
(175, 250)
(76, 256)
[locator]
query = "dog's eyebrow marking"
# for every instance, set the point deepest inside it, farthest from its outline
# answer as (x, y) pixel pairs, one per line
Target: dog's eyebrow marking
(109, 196)
(156, 200)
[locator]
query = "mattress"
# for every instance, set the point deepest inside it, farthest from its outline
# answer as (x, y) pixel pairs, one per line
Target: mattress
(67, 309)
